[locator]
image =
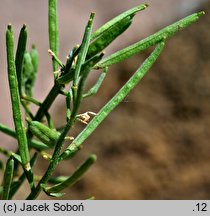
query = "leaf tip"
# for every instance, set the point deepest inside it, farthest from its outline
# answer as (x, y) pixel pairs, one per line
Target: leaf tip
(9, 26)
(33, 46)
(201, 13)
(146, 5)
(93, 157)
(92, 15)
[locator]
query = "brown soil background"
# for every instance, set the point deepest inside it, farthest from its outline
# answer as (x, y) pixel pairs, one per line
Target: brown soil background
(155, 144)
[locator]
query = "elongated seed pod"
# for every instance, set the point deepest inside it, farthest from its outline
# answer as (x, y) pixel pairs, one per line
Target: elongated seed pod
(138, 47)
(108, 36)
(53, 29)
(117, 19)
(21, 48)
(15, 99)
(44, 133)
(34, 143)
(8, 176)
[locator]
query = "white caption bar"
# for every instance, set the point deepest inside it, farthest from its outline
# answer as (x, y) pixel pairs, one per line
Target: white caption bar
(105, 208)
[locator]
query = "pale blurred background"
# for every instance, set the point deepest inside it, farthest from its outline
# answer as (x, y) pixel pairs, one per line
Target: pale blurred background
(155, 145)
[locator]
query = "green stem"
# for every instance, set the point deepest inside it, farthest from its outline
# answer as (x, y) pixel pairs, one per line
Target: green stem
(53, 162)
(48, 101)
(61, 140)
(30, 99)
(49, 121)
(74, 177)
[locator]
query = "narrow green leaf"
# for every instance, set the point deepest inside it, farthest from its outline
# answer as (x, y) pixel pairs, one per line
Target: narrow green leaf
(117, 19)
(83, 50)
(100, 43)
(8, 176)
(149, 41)
(97, 85)
(59, 179)
(121, 94)
(74, 177)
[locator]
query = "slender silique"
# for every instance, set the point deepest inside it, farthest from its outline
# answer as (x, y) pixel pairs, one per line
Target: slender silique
(138, 47)
(53, 30)
(15, 99)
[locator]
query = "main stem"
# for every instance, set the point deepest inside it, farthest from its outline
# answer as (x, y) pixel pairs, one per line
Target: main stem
(56, 154)
(48, 101)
